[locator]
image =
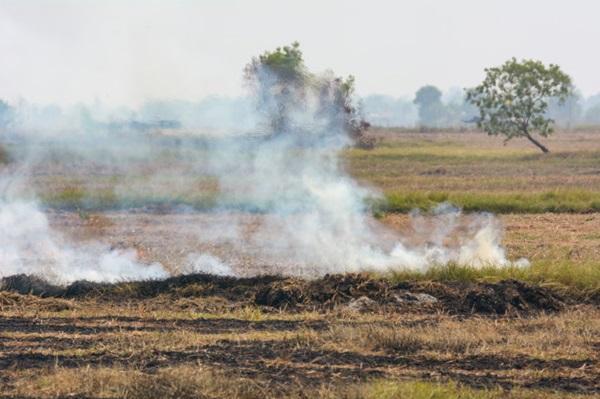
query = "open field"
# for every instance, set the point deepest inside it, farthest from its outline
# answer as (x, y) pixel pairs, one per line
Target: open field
(193, 206)
(411, 170)
(196, 335)
(483, 335)
(563, 248)
(478, 173)
(202, 337)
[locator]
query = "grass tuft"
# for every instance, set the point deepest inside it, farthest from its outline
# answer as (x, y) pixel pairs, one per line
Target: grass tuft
(579, 279)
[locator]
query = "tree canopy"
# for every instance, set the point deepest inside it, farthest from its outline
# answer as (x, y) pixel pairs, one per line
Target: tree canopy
(284, 85)
(431, 109)
(513, 99)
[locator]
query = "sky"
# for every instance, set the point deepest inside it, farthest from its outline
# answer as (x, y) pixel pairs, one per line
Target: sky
(126, 52)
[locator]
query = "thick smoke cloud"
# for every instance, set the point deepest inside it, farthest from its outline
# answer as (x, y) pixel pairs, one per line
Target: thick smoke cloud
(317, 218)
(29, 245)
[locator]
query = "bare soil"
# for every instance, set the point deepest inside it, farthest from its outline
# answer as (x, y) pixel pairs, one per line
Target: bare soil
(294, 294)
(170, 238)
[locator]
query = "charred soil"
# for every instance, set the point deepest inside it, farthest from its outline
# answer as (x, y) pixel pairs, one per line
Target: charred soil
(326, 293)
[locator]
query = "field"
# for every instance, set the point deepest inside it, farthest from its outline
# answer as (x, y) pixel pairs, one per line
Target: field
(450, 332)
(410, 169)
(479, 173)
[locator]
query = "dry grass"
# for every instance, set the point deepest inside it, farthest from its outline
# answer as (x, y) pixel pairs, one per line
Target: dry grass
(148, 350)
(546, 237)
(198, 346)
(198, 383)
(569, 335)
(563, 250)
(411, 169)
(471, 170)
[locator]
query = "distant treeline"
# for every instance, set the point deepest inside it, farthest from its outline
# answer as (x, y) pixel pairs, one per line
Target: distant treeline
(212, 114)
(428, 108)
(432, 108)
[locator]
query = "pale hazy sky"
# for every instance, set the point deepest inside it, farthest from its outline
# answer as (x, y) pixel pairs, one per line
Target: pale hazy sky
(124, 52)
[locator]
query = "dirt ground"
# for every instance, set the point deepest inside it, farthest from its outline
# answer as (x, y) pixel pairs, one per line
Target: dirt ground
(171, 238)
(273, 337)
(113, 338)
(292, 337)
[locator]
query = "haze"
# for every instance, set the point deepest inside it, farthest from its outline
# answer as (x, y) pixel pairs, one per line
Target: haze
(127, 52)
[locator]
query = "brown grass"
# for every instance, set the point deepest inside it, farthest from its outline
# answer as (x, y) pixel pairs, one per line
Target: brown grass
(148, 350)
(201, 347)
(469, 168)
(544, 237)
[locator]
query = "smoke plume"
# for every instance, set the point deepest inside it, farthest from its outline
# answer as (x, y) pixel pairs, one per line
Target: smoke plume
(28, 245)
(314, 217)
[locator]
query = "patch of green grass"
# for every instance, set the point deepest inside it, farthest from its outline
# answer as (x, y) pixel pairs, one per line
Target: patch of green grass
(557, 201)
(580, 279)
(437, 153)
(457, 153)
(77, 198)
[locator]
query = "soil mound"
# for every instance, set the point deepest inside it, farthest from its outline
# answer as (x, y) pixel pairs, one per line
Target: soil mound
(330, 291)
(27, 284)
(507, 296)
(503, 297)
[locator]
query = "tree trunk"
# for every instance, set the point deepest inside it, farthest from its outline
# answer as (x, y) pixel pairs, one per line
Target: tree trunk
(544, 149)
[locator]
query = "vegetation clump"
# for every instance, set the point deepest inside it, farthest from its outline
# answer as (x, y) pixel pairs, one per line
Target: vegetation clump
(428, 99)
(284, 87)
(513, 99)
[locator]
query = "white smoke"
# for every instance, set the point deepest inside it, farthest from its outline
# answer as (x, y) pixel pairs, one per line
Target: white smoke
(453, 238)
(317, 220)
(28, 245)
(314, 215)
(209, 264)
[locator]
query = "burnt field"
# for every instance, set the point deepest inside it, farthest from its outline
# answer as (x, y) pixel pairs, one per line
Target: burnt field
(345, 335)
(195, 205)
(338, 336)
(266, 302)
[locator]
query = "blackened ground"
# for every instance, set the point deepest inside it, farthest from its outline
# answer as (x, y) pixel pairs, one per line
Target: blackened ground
(504, 297)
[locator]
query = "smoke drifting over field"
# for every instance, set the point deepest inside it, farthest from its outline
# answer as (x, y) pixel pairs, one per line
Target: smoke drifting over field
(314, 216)
(28, 245)
(318, 219)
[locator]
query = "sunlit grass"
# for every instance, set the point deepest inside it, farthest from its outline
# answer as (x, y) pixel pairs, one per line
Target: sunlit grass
(416, 172)
(388, 389)
(577, 278)
(436, 152)
(557, 201)
(560, 201)
(196, 381)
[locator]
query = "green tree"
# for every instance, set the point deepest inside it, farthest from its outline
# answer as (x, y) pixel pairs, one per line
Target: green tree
(278, 78)
(513, 99)
(431, 109)
(283, 83)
